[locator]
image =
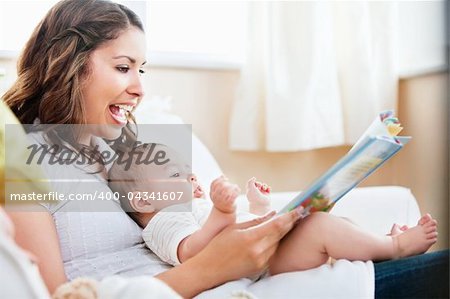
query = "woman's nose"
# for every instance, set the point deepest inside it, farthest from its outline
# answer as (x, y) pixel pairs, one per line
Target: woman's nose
(136, 87)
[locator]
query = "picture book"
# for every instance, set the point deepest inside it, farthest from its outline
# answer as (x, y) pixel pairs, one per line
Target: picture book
(377, 145)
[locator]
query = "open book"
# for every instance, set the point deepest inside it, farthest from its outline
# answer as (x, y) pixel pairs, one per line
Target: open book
(378, 143)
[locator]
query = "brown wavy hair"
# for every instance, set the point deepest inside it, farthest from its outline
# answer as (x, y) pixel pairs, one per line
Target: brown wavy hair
(54, 62)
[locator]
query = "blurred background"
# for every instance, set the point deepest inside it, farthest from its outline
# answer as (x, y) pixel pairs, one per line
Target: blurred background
(281, 90)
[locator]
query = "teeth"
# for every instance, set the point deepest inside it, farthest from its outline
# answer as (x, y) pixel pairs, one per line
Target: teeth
(127, 108)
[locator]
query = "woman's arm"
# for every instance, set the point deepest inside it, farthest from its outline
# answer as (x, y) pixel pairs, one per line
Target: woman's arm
(36, 233)
(238, 251)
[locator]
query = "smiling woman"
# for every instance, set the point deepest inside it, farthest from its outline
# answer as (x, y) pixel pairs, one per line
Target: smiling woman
(83, 56)
(96, 74)
(113, 87)
(82, 65)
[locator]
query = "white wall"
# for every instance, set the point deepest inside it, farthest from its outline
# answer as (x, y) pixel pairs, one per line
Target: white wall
(423, 32)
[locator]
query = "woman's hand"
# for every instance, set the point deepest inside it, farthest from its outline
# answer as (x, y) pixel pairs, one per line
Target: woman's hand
(244, 249)
(240, 250)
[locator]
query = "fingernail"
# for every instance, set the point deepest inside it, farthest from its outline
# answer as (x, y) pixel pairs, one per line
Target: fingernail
(299, 211)
(270, 214)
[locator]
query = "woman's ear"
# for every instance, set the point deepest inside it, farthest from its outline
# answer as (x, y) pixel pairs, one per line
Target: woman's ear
(141, 205)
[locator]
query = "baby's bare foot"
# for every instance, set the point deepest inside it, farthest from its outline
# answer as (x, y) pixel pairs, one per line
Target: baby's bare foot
(223, 195)
(415, 240)
(258, 197)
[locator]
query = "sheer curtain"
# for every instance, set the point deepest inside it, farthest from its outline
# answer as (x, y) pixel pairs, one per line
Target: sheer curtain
(316, 74)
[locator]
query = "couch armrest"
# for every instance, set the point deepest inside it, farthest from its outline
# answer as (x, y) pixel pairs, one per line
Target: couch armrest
(377, 208)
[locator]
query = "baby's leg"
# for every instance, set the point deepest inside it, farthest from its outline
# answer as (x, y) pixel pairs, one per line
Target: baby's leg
(258, 197)
(321, 235)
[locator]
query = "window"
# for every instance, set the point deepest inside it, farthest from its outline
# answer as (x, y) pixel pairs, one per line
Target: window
(179, 33)
(17, 21)
(197, 33)
(212, 34)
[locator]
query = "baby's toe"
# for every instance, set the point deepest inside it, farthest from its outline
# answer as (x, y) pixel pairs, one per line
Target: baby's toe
(431, 224)
(404, 228)
(432, 235)
(430, 228)
(424, 219)
(395, 230)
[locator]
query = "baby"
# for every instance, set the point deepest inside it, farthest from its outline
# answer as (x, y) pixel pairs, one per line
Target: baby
(177, 232)
(166, 199)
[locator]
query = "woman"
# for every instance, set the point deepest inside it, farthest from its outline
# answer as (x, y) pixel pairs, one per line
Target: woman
(82, 66)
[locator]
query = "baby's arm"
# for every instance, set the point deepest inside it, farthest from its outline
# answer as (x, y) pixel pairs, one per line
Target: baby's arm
(223, 195)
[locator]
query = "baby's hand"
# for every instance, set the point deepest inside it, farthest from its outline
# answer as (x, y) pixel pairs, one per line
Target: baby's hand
(223, 195)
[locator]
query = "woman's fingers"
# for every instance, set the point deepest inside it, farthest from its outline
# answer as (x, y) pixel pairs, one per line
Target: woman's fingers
(245, 249)
(256, 221)
(275, 229)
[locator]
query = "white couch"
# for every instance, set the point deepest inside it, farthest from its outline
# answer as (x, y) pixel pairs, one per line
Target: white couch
(373, 208)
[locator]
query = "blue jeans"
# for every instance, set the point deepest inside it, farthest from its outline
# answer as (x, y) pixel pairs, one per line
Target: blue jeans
(421, 276)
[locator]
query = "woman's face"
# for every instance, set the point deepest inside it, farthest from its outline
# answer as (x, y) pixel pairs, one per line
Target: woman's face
(113, 86)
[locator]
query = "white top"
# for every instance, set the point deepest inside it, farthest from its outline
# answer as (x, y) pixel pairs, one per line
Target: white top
(97, 238)
(20, 277)
(167, 229)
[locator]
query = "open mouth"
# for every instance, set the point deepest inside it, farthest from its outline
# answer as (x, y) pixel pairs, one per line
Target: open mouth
(120, 112)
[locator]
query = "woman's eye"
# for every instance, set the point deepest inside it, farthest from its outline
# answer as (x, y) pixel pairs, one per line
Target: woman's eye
(141, 71)
(123, 69)
(175, 175)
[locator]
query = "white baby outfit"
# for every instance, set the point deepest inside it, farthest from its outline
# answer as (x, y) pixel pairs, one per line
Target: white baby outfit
(165, 231)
